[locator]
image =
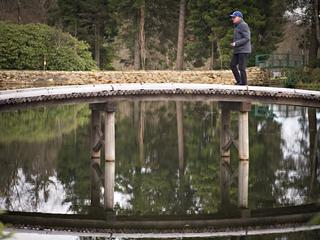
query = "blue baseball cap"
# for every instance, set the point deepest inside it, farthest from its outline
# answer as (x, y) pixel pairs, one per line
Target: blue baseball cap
(236, 14)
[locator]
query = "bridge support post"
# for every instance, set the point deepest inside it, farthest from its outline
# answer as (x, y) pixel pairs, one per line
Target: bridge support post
(243, 159)
(225, 156)
(95, 157)
(109, 157)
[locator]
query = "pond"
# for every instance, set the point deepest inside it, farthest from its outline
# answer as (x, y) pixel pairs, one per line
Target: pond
(45, 160)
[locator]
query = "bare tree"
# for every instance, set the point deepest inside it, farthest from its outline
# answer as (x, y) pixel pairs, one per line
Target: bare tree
(44, 6)
(142, 35)
(315, 35)
(179, 66)
(137, 58)
(316, 17)
(97, 42)
(19, 11)
(139, 39)
(180, 50)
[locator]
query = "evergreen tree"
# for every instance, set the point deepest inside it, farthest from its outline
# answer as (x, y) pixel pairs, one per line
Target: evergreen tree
(148, 28)
(93, 21)
(309, 18)
(211, 29)
(153, 45)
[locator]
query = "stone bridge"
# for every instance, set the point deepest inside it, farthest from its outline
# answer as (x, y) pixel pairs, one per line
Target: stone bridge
(156, 92)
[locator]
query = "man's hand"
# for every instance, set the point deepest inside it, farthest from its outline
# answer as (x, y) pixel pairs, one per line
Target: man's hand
(233, 44)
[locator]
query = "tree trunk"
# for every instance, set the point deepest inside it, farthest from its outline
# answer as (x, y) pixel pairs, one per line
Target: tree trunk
(212, 54)
(179, 66)
(180, 48)
(137, 57)
(76, 29)
(316, 18)
(44, 5)
(313, 144)
(142, 36)
(97, 43)
(19, 11)
(220, 55)
(314, 45)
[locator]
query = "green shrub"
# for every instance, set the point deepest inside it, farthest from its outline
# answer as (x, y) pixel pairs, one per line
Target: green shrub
(38, 47)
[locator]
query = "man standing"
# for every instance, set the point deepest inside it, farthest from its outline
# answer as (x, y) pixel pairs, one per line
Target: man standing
(241, 48)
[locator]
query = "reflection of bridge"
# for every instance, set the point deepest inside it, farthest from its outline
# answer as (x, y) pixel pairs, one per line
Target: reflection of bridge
(262, 221)
(103, 99)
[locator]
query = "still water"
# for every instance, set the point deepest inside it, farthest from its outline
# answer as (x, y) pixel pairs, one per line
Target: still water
(45, 160)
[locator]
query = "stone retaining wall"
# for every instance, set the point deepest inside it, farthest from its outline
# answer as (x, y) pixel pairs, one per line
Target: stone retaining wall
(22, 79)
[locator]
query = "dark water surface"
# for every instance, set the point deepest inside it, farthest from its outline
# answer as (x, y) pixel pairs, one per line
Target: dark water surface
(45, 159)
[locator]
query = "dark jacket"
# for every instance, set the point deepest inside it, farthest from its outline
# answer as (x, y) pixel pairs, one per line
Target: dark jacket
(242, 38)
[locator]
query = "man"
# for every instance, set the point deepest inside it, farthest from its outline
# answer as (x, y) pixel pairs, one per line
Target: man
(241, 48)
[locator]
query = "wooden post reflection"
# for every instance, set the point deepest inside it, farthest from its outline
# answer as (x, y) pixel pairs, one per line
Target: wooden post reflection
(95, 157)
(225, 157)
(243, 159)
(109, 157)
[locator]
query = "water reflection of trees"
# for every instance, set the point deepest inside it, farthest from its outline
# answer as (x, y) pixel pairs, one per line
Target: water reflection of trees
(73, 169)
(29, 146)
(155, 185)
(203, 155)
(40, 124)
(152, 184)
(148, 177)
(298, 174)
(265, 157)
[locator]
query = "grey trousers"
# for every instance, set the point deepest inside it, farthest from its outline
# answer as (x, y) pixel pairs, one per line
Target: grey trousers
(238, 66)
